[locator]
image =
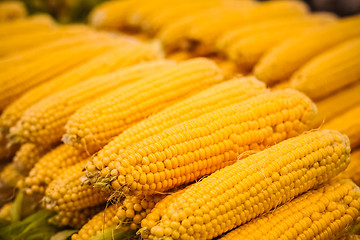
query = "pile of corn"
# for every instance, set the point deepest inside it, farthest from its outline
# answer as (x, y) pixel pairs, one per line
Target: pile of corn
(218, 119)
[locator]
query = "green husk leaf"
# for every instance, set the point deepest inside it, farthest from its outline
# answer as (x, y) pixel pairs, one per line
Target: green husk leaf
(118, 234)
(34, 227)
(63, 235)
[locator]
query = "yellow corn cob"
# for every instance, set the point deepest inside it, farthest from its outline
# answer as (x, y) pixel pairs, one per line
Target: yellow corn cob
(215, 97)
(208, 31)
(27, 55)
(116, 57)
(16, 81)
(9, 176)
(32, 24)
(50, 166)
(67, 193)
(122, 216)
(35, 124)
(246, 49)
(329, 71)
(200, 146)
(27, 156)
(20, 42)
(349, 124)
(123, 107)
(339, 102)
(213, 22)
(156, 19)
(76, 218)
(353, 170)
(110, 14)
(283, 60)
(250, 187)
(231, 37)
(5, 211)
(12, 10)
(324, 213)
(96, 225)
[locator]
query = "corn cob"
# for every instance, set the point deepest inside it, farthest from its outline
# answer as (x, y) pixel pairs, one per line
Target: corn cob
(110, 14)
(218, 96)
(324, 213)
(353, 170)
(27, 156)
(117, 57)
(155, 20)
(20, 42)
(119, 109)
(208, 31)
(330, 71)
(176, 35)
(27, 55)
(200, 146)
(35, 23)
(246, 49)
(348, 97)
(123, 216)
(349, 124)
(67, 193)
(5, 211)
(16, 81)
(283, 60)
(231, 37)
(75, 219)
(12, 10)
(96, 225)
(250, 187)
(36, 126)
(50, 166)
(9, 176)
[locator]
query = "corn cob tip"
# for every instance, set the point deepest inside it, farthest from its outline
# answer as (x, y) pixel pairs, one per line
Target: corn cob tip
(70, 139)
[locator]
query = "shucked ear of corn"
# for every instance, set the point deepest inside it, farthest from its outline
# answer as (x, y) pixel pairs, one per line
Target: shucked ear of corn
(16, 80)
(76, 218)
(115, 58)
(121, 108)
(330, 107)
(215, 97)
(11, 45)
(50, 166)
(34, 23)
(66, 193)
(330, 71)
(252, 186)
(349, 124)
(353, 170)
(200, 146)
(98, 224)
(206, 26)
(27, 156)
(246, 49)
(282, 61)
(323, 213)
(35, 124)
